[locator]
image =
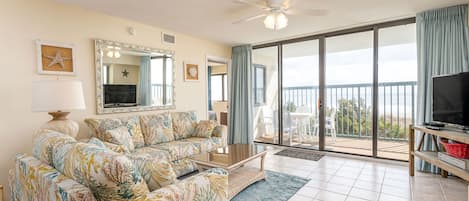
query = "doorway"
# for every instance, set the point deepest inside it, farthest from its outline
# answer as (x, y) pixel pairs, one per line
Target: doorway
(217, 87)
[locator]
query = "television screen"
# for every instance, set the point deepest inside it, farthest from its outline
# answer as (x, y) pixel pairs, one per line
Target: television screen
(451, 99)
(120, 94)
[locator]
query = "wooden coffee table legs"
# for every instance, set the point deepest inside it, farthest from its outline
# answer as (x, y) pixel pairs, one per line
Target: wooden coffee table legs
(242, 177)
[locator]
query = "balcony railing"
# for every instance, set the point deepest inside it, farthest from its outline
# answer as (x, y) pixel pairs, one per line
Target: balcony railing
(351, 107)
(158, 94)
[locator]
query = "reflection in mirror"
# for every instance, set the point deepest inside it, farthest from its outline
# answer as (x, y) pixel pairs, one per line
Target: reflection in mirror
(133, 78)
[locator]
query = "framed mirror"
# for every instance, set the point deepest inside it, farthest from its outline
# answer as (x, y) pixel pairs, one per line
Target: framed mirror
(132, 78)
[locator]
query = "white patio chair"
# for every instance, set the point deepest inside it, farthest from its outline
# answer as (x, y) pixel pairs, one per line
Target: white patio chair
(329, 127)
(288, 126)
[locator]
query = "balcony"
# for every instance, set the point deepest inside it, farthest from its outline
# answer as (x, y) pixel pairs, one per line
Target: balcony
(349, 113)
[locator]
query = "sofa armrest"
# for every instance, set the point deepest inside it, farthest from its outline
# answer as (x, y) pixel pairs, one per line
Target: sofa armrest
(32, 179)
(222, 132)
(209, 185)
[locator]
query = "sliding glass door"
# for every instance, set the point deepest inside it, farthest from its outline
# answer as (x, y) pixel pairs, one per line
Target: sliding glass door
(349, 97)
(300, 89)
(265, 94)
(397, 89)
(351, 91)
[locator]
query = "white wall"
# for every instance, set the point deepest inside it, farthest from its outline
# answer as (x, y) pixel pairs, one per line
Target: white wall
(23, 21)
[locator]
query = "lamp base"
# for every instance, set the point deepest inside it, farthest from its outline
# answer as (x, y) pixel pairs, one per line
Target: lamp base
(59, 115)
(61, 124)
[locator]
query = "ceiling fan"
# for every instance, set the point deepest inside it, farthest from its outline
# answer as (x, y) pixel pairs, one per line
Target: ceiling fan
(275, 12)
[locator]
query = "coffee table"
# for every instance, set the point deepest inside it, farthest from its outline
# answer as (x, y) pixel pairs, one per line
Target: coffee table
(233, 159)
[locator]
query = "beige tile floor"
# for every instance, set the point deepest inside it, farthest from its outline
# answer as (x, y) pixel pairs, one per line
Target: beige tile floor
(338, 177)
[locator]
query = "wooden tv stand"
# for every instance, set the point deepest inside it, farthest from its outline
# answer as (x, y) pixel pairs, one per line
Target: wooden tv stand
(432, 156)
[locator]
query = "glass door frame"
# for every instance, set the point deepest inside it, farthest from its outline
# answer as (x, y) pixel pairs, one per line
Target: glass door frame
(322, 74)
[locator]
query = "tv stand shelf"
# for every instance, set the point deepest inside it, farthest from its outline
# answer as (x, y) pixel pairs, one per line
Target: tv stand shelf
(432, 156)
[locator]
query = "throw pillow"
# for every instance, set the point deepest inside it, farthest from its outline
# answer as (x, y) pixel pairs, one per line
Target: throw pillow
(100, 126)
(43, 142)
(218, 131)
(157, 128)
(120, 136)
(184, 124)
(205, 128)
(113, 147)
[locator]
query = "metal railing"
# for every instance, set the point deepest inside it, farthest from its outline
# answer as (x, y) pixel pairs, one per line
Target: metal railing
(351, 107)
(157, 92)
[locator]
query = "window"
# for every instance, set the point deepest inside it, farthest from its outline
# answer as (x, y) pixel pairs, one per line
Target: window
(219, 87)
(259, 84)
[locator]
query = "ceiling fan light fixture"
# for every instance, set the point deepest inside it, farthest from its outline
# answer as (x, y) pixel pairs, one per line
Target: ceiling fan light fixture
(276, 21)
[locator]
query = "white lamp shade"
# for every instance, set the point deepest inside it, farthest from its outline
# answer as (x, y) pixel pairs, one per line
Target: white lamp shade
(55, 95)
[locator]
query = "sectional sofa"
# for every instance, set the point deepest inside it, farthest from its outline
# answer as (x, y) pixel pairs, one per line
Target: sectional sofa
(128, 158)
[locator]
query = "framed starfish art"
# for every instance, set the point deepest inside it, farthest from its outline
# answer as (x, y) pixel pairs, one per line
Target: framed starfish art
(55, 59)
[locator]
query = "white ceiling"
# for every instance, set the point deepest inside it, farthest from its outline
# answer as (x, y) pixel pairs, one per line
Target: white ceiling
(213, 19)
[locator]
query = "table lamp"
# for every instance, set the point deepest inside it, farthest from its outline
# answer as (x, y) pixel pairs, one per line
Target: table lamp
(58, 97)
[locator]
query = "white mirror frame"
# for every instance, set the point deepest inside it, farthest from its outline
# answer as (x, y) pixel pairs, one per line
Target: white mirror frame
(98, 44)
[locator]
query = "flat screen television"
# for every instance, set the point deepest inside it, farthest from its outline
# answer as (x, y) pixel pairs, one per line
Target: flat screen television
(120, 95)
(451, 99)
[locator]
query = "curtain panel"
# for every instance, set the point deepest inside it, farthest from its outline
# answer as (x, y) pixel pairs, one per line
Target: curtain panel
(144, 86)
(209, 83)
(241, 101)
(442, 46)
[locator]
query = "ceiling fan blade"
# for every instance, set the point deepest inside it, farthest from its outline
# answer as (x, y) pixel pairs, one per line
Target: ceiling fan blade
(255, 4)
(250, 18)
(310, 12)
(287, 4)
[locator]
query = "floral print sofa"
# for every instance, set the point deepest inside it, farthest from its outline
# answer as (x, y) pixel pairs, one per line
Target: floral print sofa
(140, 162)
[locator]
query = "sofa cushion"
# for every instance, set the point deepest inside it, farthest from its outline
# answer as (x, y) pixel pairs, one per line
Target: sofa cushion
(157, 128)
(119, 136)
(43, 142)
(184, 124)
(111, 176)
(153, 152)
(183, 167)
(177, 149)
(209, 185)
(202, 143)
(113, 147)
(100, 126)
(205, 128)
(157, 173)
(218, 142)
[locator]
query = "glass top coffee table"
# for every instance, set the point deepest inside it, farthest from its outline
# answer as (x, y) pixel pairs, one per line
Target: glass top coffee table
(233, 159)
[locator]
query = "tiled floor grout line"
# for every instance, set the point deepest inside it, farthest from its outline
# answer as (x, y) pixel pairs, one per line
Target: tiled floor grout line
(382, 183)
(442, 190)
(375, 180)
(354, 182)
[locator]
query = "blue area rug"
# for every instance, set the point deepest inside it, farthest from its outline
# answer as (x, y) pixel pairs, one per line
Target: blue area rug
(276, 186)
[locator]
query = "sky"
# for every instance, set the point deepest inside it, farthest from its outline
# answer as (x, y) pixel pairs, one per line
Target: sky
(397, 63)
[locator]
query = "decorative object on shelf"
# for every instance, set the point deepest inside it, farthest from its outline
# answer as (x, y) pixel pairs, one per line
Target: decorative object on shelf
(55, 59)
(191, 72)
(1, 193)
(57, 97)
(125, 73)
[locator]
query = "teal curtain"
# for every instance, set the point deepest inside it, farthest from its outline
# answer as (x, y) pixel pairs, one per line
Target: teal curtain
(442, 45)
(209, 81)
(144, 87)
(241, 101)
